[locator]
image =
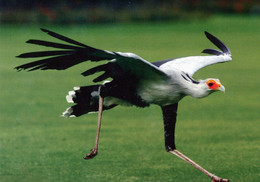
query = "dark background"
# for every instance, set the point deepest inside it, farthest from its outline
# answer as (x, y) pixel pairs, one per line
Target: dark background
(92, 11)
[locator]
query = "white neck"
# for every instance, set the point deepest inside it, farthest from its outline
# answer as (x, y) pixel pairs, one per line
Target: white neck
(196, 90)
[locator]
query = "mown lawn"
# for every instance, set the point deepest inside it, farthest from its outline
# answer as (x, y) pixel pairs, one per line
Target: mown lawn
(220, 132)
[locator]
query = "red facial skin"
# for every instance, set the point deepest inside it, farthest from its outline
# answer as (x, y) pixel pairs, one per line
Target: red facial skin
(213, 85)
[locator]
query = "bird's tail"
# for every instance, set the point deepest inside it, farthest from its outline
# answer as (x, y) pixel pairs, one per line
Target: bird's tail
(86, 99)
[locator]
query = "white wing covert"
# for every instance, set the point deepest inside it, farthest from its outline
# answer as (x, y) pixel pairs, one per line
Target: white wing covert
(192, 64)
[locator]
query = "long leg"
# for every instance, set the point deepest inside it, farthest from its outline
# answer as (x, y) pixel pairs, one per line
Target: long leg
(188, 160)
(94, 151)
(169, 118)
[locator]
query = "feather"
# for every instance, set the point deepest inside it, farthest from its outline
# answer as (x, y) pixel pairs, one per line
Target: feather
(218, 43)
(127, 62)
(192, 64)
(91, 71)
(51, 44)
(63, 38)
(42, 54)
(212, 51)
(102, 77)
(71, 41)
(58, 62)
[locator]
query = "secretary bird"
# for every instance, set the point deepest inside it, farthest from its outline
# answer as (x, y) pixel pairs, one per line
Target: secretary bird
(135, 81)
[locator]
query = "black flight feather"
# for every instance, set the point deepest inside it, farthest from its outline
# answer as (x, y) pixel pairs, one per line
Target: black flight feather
(58, 62)
(102, 77)
(63, 59)
(63, 38)
(217, 43)
(91, 71)
(111, 70)
(43, 54)
(51, 44)
(212, 51)
(71, 41)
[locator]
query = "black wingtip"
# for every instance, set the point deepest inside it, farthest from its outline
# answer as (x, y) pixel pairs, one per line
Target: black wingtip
(45, 30)
(212, 51)
(218, 43)
(63, 38)
(48, 32)
(21, 56)
(17, 69)
(206, 33)
(209, 35)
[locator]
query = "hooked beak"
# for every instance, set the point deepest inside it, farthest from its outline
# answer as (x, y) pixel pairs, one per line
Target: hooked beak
(221, 88)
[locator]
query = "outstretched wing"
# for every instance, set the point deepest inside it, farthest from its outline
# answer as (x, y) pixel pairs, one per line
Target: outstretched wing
(75, 53)
(192, 64)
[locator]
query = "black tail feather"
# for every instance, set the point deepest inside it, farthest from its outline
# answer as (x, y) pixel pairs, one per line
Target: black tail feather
(86, 99)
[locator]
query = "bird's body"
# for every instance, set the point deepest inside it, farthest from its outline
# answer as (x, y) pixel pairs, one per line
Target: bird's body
(170, 90)
(135, 81)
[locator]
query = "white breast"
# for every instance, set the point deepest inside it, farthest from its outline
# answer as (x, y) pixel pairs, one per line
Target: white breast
(163, 93)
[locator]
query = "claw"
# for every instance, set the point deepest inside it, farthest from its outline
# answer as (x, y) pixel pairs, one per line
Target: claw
(92, 154)
(217, 179)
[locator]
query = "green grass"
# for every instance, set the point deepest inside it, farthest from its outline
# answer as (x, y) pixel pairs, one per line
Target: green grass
(220, 132)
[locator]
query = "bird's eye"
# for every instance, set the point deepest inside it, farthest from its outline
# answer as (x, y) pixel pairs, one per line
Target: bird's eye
(210, 84)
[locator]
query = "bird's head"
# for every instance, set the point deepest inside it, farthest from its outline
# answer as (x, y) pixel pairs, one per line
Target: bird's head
(213, 85)
(206, 87)
(203, 88)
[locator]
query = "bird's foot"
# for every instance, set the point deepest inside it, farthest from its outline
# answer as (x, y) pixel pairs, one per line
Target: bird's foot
(92, 154)
(217, 179)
